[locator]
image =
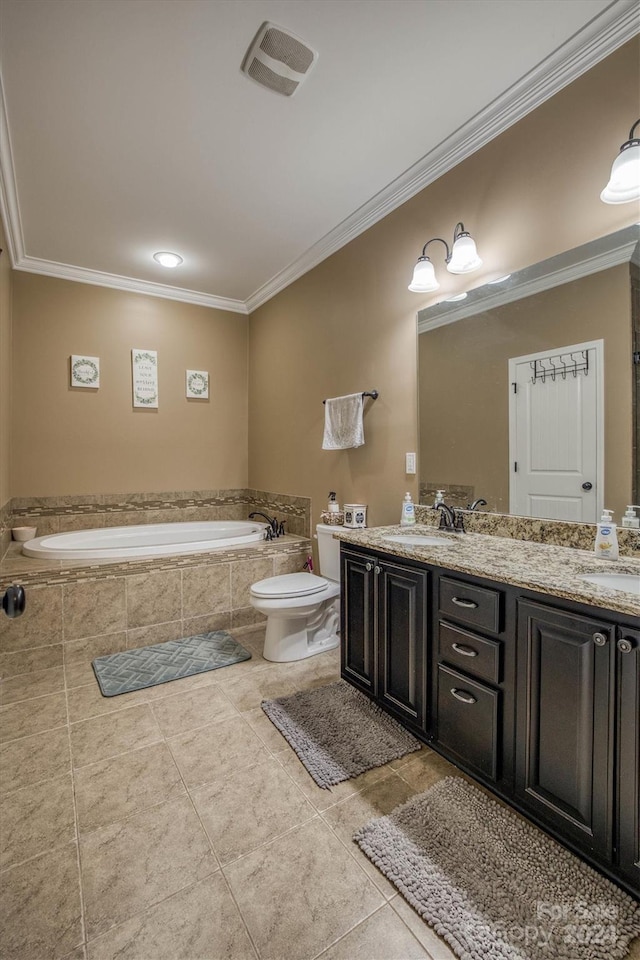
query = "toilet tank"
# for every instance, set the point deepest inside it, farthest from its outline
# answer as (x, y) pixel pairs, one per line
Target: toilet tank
(328, 551)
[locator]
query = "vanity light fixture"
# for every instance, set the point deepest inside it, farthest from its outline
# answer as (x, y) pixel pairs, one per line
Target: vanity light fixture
(454, 299)
(461, 258)
(166, 259)
(624, 182)
(499, 279)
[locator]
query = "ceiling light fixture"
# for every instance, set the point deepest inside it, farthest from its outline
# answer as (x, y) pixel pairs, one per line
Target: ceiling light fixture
(624, 182)
(500, 279)
(458, 296)
(166, 259)
(462, 258)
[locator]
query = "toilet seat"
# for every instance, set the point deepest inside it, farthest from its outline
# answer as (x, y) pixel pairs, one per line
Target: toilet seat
(289, 585)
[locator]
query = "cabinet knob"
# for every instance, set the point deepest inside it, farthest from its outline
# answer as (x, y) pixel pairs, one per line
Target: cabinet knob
(600, 639)
(461, 695)
(377, 569)
(368, 566)
(624, 645)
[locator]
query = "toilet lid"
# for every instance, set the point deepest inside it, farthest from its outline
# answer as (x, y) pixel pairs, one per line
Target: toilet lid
(289, 585)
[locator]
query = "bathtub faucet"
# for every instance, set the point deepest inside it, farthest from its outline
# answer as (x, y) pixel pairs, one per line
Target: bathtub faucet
(273, 523)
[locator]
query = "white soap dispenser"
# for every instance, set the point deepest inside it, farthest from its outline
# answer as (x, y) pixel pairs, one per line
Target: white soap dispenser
(408, 515)
(606, 545)
(631, 520)
(439, 498)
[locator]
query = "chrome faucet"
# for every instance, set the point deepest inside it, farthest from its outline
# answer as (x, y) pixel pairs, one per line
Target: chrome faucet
(450, 520)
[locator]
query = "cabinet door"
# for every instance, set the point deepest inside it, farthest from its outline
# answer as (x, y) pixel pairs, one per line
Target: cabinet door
(357, 611)
(628, 840)
(402, 639)
(565, 723)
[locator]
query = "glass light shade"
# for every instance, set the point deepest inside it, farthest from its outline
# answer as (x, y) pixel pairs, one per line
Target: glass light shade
(624, 182)
(424, 277)
(166, 259)
(464, 256)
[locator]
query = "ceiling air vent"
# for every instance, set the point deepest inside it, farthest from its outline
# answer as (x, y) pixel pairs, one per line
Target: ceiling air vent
(278, 60)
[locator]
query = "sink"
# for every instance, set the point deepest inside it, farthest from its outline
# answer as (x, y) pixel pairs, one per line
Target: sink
(628, 582)
(418, 540)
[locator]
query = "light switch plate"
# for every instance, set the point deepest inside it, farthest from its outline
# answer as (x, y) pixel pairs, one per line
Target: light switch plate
(410, 463)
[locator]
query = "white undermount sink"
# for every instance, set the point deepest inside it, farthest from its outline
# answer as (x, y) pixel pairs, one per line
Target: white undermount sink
(627, 582)
(418, 540)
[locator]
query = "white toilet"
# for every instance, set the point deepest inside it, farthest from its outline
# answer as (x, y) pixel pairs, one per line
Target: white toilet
(302, 610)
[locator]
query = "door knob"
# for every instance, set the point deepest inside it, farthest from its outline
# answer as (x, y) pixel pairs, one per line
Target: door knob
(587, 486)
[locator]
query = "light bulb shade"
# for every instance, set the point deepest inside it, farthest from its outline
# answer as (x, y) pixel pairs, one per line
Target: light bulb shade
(424, 277)
(624, 182)
(464, 256)
(167, 259)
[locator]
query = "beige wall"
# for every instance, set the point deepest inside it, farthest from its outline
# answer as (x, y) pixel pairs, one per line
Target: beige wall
(350, 324)
(74, 441)
(5, 369)
(464, 388)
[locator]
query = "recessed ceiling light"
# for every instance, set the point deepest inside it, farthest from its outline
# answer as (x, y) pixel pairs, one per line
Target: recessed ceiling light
(458, 296)
(166, 259)
(500, 279)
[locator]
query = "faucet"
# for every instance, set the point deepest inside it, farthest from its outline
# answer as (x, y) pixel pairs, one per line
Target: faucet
(450, 520)
(476, 503)
(273, 523)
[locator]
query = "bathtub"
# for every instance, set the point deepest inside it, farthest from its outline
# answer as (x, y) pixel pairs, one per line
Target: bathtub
(146, 540)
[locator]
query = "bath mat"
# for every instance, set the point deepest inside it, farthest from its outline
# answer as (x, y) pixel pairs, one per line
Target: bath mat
(338, 732)
(148, 666)
(493, 885)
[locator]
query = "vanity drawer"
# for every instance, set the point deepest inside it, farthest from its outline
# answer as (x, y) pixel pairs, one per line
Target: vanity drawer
(478, 606)
(468, 721)
(469, 652)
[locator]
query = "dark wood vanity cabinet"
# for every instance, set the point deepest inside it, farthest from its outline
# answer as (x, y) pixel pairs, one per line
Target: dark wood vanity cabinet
(535, 696)
(384, 632)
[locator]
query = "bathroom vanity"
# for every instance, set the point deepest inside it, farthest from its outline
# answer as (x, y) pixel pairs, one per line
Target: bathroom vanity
(499, 656)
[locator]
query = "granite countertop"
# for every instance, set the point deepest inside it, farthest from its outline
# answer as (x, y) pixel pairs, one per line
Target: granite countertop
(534, 566)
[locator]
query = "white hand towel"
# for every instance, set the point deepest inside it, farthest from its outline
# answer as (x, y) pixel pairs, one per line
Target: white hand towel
(343, 426)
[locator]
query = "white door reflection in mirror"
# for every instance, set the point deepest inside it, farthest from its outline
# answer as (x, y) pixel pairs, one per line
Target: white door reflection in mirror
(556, 433)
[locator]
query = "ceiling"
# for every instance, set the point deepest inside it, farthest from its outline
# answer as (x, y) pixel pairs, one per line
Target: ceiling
(128, 127)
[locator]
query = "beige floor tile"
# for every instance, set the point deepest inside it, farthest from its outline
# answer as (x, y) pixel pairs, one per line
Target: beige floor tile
(421, 770)
(28, 717)
(197, 708)
(102, 737)
(79, 673)
(375, 801)
(30, 685)
(121, 786)
(380, 937)
(266, 730)
(156, 633)
(250, 807)
(88, 701)
(248, 692)
(39, 658)
(300, 892)
(436, 947)
(206, 754)
(35, 819)
(320, 798)
(199, 923)
(28, 761)
(183, 685)
(90, 647)
(40, 915)
(133, 864)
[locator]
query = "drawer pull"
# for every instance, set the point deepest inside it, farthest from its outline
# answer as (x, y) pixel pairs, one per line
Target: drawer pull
(461, 602)
(464, 697)
(465, 651)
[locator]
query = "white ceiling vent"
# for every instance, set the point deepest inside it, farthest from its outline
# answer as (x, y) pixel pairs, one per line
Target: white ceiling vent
(278, 60)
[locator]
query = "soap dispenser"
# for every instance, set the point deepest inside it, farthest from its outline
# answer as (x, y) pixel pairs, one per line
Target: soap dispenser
(408, 515)
(606, 545)
(631, 520)
(439, 498)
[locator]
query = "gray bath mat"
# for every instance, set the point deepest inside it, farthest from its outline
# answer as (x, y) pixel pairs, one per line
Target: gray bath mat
(493, 885)
(148, 666)
(337, 732)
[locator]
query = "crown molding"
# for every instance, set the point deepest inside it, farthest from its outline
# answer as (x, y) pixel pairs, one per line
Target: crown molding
(64, 271)
(608, 252)
(600, 37)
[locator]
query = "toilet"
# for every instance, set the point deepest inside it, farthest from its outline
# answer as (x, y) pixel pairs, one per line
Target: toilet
(302, 610)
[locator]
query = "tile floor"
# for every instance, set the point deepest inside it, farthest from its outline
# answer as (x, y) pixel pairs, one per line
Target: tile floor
(176, 823)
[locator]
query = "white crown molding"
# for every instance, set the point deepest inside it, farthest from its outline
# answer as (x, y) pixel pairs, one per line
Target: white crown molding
(600, 37)
(522, 286)
(604, 34)
(64, 271)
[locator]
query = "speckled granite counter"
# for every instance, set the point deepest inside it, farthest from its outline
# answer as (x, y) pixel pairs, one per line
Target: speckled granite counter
(534, 566)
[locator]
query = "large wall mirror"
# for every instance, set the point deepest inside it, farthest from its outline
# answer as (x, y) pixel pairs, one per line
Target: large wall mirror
(528, 390)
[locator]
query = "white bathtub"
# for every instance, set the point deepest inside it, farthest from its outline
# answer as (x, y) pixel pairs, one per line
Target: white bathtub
(147, 540)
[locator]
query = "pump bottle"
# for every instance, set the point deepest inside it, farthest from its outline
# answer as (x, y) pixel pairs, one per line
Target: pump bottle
(408, 515)
(606, 545)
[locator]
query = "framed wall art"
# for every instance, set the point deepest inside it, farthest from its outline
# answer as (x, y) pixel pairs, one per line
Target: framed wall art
(85, 371)
(197, 385)
(144, 371)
